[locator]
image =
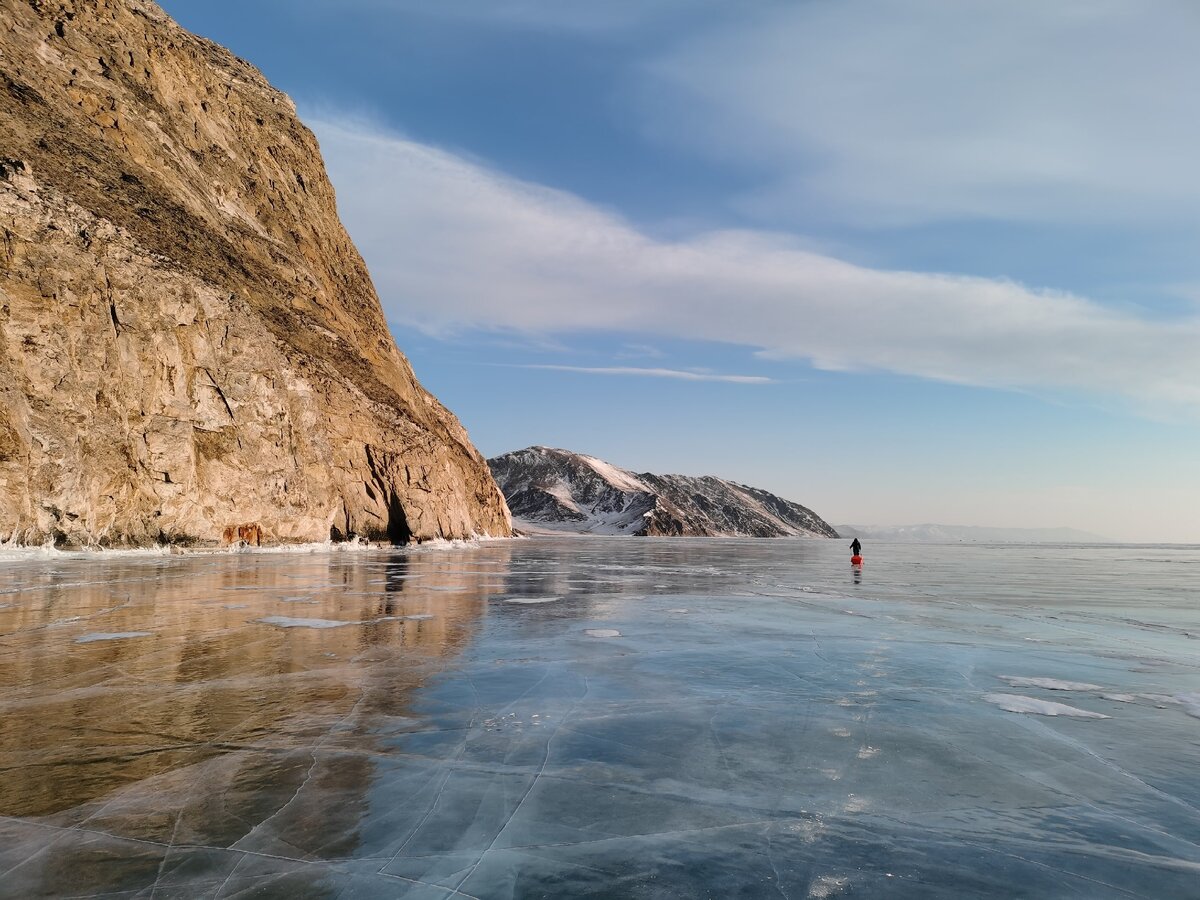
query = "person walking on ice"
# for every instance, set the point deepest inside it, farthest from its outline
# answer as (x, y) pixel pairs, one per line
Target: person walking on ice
(855, 551)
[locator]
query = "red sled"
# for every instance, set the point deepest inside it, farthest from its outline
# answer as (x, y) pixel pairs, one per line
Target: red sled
(856, 560)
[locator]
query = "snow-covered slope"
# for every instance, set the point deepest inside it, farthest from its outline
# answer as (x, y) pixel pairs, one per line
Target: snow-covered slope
(557, 490)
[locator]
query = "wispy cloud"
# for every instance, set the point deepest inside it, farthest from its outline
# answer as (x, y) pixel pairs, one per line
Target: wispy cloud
(583, 16)
(455, 245)
(639, 351)
(682, 375)
(883, 113)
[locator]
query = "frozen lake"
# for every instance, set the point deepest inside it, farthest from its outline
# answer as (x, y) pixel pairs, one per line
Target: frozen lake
(603, 717)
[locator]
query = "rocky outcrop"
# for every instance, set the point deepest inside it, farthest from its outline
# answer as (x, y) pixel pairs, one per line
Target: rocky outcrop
(557, 490)
(190, 346)
(572, 492)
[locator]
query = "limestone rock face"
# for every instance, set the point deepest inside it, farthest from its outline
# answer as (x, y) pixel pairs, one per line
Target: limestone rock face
(190, 345)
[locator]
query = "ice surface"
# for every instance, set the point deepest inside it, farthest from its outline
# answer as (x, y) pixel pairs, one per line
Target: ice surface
(1019, 704)
(797, 733)
(1191, 703)
(1050, 684)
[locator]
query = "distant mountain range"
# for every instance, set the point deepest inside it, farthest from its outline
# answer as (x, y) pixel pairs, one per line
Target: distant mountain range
(951, 533)
(560, 491)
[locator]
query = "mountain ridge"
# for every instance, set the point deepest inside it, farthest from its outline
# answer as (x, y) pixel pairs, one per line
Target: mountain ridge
(558, 490)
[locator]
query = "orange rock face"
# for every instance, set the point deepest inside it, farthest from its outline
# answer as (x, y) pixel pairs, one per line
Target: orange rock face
(250, 535)
(188, 337)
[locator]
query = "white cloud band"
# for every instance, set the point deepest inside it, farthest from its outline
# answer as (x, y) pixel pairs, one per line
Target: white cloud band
(681, 375)
(452, 244)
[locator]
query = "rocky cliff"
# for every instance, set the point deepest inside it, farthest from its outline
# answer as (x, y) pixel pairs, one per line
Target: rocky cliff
(190, 346)
(559, 490)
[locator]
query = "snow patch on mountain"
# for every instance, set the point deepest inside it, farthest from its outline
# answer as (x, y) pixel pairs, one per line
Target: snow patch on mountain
(618, 478)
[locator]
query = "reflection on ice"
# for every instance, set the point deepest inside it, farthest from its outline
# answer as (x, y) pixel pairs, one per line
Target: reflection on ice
(291, 622)
(601, 717)
(110, 636)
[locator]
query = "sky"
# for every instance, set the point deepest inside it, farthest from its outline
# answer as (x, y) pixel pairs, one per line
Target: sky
(901, 261)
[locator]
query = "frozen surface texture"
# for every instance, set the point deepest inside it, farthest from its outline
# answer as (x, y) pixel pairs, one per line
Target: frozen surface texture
(191, 349)
(685, 718)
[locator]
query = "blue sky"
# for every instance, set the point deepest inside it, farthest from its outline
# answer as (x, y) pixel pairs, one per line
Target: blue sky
(919, 261)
